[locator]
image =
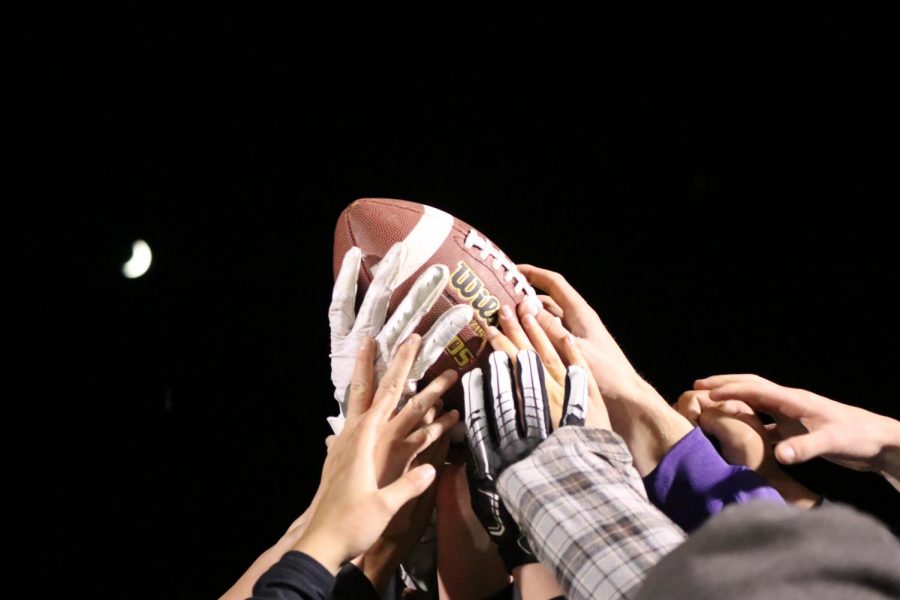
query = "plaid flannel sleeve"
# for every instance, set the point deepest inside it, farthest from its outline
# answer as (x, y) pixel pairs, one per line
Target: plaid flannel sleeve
(583, 507)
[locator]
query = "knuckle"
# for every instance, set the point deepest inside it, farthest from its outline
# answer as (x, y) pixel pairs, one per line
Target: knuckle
(390, 385)
(555, 278)
(433, 432)
(428, 434)
(417, 404)
(383, 502)
(686, 397)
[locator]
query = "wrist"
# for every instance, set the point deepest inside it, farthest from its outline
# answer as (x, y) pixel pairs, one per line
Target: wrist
(790, 489)
(323, 548)
(650, 428)
(887, 463)
(379, 563)
(632, 389)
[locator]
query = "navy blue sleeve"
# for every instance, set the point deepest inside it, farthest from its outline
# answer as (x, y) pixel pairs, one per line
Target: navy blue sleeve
(297, 576)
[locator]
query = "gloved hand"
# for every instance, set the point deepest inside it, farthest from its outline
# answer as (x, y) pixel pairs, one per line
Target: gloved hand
(348, 328)
(501, 432)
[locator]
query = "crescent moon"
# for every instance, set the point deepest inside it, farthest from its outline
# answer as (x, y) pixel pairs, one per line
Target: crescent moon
(140, 260)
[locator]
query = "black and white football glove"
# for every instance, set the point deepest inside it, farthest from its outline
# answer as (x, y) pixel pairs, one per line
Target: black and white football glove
(503, 429)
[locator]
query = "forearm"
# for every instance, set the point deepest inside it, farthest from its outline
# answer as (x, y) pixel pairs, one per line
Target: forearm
(606, 508)
(322, 548)
(789, 488)
(379, 564)
(243, 587)
(692, 482)
(649, 426)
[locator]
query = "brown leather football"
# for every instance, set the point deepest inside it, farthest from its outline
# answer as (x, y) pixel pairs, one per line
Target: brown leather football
(481, 275)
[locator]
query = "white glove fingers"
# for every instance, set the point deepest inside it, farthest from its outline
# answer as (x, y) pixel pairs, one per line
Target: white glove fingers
(421, 297)
(336, 423)
(535, 410)
(439, 336)
(575, 404)
(502, 398)
(476, 419)
(375, 304)
(341, 313)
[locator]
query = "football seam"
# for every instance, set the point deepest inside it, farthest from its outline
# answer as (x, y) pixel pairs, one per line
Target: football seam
(499, 280)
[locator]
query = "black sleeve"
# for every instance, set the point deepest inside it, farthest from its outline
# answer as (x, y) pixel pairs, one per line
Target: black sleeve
(297, 576)
(352, 584)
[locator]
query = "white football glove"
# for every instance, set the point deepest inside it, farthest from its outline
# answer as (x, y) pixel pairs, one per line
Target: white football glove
(347, 328)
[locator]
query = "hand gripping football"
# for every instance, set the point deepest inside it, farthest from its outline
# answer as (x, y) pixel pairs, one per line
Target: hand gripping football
(480, 274)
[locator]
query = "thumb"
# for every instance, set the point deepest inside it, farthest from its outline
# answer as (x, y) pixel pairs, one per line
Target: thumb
(802, 448)
(411, 484)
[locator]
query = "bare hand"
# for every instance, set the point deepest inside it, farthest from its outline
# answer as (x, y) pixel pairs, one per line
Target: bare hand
(744, 441)
(524, 333)
(566, 311)
(636, 411)
(406, 529)
(357, 496)
(809, 425)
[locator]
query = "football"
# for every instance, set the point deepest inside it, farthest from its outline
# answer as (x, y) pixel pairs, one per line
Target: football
(480, 274)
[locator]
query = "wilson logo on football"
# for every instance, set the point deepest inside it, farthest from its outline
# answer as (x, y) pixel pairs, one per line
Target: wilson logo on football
(472, 290)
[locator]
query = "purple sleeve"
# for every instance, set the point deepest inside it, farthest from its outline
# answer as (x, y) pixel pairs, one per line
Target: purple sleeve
(692, 482)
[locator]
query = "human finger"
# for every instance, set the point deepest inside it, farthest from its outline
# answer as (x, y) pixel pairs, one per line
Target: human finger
(415, 409)
(511, 327)
(688, 405)
(766, 397)
(359, 391)
(425, 436)
(393, 382)
(550, 305)
(708, 383)
(539, 339)
(575, 307)
(801, 448)
(410, 485)
(499, 341)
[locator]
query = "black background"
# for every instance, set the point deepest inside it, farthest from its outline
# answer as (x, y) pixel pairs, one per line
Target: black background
(721, 198)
